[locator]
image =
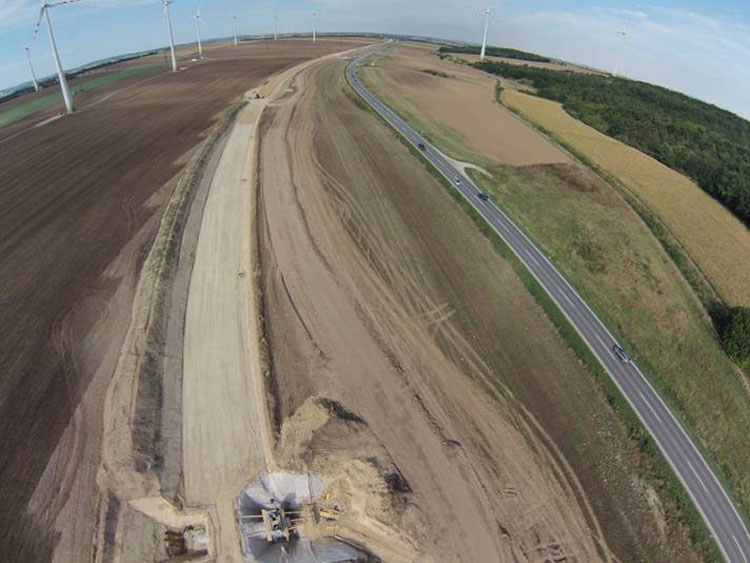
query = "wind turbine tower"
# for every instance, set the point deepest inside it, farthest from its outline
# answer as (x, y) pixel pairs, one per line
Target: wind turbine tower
(31, 68)
(624, 35)
(315, 14)
(198, 30)
(484, 39)
(234, 29)
(275, 27)
(44, 13)
(171, 36)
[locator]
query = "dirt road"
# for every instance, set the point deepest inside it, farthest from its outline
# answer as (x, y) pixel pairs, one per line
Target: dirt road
(223, 441)
(226, 433)
(359, 306)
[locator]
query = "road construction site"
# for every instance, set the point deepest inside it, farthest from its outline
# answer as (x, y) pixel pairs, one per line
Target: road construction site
(82, 202)
(306, 349)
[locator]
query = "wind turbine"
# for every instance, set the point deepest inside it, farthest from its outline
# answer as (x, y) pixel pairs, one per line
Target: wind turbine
(44, 13)
(275, 26)
(484, 39)
(198, 30)
(171, 36)
(624, 35)
(31, 68)
(315, 14)
(234, 28)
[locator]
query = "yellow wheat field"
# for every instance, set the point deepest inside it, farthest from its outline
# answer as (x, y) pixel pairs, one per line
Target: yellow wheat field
(717, 242)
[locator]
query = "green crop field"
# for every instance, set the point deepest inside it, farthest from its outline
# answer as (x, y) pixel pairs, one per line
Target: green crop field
(22, 111)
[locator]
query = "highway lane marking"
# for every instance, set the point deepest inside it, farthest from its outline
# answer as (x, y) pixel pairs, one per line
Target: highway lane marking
(569, 301)
(602, 341)
(698, 476)
(532, 257)
(740, 548)
(645, 400)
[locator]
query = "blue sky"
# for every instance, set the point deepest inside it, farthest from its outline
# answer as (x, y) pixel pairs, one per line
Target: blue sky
(699, 47)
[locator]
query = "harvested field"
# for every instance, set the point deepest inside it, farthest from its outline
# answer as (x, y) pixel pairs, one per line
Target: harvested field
(81, 198)
(454, 105)
(716, 240)
(581, 223)
(381, 294)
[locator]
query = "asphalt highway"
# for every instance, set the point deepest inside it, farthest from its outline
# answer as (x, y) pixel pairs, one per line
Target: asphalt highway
(707, 493)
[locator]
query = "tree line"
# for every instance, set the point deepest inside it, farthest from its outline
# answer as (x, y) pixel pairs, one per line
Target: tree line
(704, 142)
(506, 52)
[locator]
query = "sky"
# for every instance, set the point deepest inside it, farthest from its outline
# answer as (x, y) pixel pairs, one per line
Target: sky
(698, 47)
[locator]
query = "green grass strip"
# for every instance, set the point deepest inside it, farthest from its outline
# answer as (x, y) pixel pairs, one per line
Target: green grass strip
(22, 111)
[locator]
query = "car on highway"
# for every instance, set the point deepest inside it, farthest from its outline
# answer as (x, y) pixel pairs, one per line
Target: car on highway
(422, 147)
(483, 196)
(458, 181)
(620, 352)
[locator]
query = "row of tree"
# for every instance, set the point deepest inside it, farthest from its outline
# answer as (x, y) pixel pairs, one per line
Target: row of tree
(506, 52)
(708, 144)
(735, 336)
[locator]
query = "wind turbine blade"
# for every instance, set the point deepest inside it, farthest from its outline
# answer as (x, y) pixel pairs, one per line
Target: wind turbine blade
(39, 21)
(61, 2)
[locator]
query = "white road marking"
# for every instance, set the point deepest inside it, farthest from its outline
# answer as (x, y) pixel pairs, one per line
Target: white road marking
(740, 548)
(532, 257)
(602, 341)
(571, 303)
(645, 400)
(699, 477)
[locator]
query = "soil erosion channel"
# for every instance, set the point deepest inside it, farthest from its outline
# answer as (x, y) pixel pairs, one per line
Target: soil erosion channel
(362, 257)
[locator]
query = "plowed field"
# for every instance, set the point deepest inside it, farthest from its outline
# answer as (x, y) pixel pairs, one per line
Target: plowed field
(80, 198)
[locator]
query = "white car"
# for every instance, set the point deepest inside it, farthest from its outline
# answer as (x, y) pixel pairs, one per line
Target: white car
(458, 181)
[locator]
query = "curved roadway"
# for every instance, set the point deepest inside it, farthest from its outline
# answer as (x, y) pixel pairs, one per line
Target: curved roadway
(707, 493)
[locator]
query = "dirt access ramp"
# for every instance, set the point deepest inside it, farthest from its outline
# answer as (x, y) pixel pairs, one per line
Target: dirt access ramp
(353, 313)
(455, 105)
(81, 201)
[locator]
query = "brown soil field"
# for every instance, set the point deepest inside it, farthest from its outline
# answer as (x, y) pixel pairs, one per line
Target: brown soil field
(456, 108)
(716, 240)
(381, 294)
(81, 198)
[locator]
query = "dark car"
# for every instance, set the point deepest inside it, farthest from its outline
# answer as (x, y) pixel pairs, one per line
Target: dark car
(620, 352)
(483, 196)
(422, 147)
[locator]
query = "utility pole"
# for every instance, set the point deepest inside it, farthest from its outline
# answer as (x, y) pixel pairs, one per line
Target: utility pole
(171, 36)
(624, 35)
(198, 30)
(67, 96)
(484, 39)
(31, 68)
